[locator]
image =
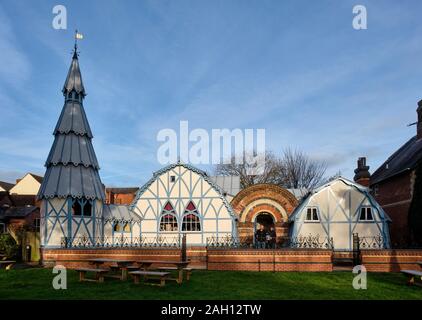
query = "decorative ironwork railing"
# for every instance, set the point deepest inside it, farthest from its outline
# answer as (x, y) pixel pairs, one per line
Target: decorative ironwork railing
(377, 242)
(308, 242)
(311, 242)
(121, 242)
(229, 242)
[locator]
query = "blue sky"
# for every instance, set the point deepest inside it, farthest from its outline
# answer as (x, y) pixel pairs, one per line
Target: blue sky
(295, 68)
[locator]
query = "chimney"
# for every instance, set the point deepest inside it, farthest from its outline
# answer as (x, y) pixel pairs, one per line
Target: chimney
(362, 174)
(419, 125)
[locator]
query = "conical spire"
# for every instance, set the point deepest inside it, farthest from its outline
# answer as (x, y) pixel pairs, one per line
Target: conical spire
(74, 77)
(72, 166)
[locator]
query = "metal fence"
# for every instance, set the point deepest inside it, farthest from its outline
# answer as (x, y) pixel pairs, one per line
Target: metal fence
(308, 242)
(377, 242)
(121, 242)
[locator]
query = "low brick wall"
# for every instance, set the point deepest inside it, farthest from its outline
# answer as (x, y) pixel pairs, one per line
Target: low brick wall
(391, 260)
(270, 260)
(73, 258)
(201, 258)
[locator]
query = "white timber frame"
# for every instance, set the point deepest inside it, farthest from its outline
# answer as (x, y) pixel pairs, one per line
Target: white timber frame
(339, 205)
(180, 184)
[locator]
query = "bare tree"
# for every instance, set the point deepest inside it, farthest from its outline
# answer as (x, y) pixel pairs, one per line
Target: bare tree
(294, 169)
(248, 171)
(299, 171)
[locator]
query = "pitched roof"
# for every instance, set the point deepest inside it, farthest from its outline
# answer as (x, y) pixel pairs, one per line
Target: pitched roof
(6, 185)
(72, 166)
(113, 212)
(18, 212)
(22, 199)
(404, 159)
(37, 177)
(357, 186)
(202, 173)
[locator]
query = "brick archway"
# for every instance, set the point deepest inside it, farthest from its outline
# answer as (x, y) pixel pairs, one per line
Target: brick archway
(268, 198)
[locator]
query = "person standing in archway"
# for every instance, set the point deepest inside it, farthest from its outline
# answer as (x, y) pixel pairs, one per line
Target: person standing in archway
(271, 238)
(260, 237)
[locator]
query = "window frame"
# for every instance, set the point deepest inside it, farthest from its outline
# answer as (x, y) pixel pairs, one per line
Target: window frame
(312, 220)
(368, 209)
(194, 212)
(174, 225)
(165, 212)
(82, 202)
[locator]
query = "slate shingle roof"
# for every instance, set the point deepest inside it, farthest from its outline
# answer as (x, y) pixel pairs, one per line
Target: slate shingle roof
(404, 159)
(74, 77)
(72, 166)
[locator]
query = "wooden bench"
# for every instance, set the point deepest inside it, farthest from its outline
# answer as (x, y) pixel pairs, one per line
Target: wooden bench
(187, 270)
(411, 274)
(155, 274)
(8, 264)
(99, 274)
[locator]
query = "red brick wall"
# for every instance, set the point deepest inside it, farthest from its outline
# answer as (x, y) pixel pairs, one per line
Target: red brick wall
(394, 196)
(200, 257)
(391, 260)
(270, 260)
(120, 198)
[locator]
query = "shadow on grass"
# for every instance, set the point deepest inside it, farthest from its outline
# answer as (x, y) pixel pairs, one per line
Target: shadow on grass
(219, 285)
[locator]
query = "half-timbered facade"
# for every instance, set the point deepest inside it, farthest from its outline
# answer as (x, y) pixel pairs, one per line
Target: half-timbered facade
(180, 199)
(336, 211)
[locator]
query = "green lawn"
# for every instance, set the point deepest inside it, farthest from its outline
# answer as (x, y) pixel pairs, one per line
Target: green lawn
(37, 284)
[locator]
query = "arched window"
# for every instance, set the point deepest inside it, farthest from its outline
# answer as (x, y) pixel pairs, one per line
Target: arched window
(82, 207)
(126, 228)
(168, 221)
(121, 227)
(117, 227)
(191, 221)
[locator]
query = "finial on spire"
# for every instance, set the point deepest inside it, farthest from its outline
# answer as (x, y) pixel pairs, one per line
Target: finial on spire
(78, 36)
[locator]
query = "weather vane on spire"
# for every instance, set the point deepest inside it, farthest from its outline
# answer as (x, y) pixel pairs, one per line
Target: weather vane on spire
(78, 36)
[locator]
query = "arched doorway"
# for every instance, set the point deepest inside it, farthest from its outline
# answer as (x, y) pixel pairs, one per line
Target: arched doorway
(251, 205)
(265, 219)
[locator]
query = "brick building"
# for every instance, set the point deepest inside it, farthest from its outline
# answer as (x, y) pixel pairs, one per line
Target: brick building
(120, 195)
(393, 183)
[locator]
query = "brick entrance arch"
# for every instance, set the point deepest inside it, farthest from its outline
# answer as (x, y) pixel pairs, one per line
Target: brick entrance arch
(263, 198)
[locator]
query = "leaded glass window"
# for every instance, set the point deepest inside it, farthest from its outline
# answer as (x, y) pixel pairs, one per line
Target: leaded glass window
(168, 221)
(191, 220)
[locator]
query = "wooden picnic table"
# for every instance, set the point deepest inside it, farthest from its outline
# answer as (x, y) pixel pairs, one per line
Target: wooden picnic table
(180, 265)
(7, 263)
(419, 263)
(121, 264)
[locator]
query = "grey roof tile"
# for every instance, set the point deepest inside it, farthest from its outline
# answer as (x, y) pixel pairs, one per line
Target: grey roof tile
(72, 167)
(73, 119)
(112, 212)
(74, 77)
(405, 158)
(74, 181)
(72, 149)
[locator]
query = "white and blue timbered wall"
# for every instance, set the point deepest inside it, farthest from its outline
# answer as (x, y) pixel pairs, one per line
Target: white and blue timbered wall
(121, 226)
(336, 210)
(60, 222)
(181, 199)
